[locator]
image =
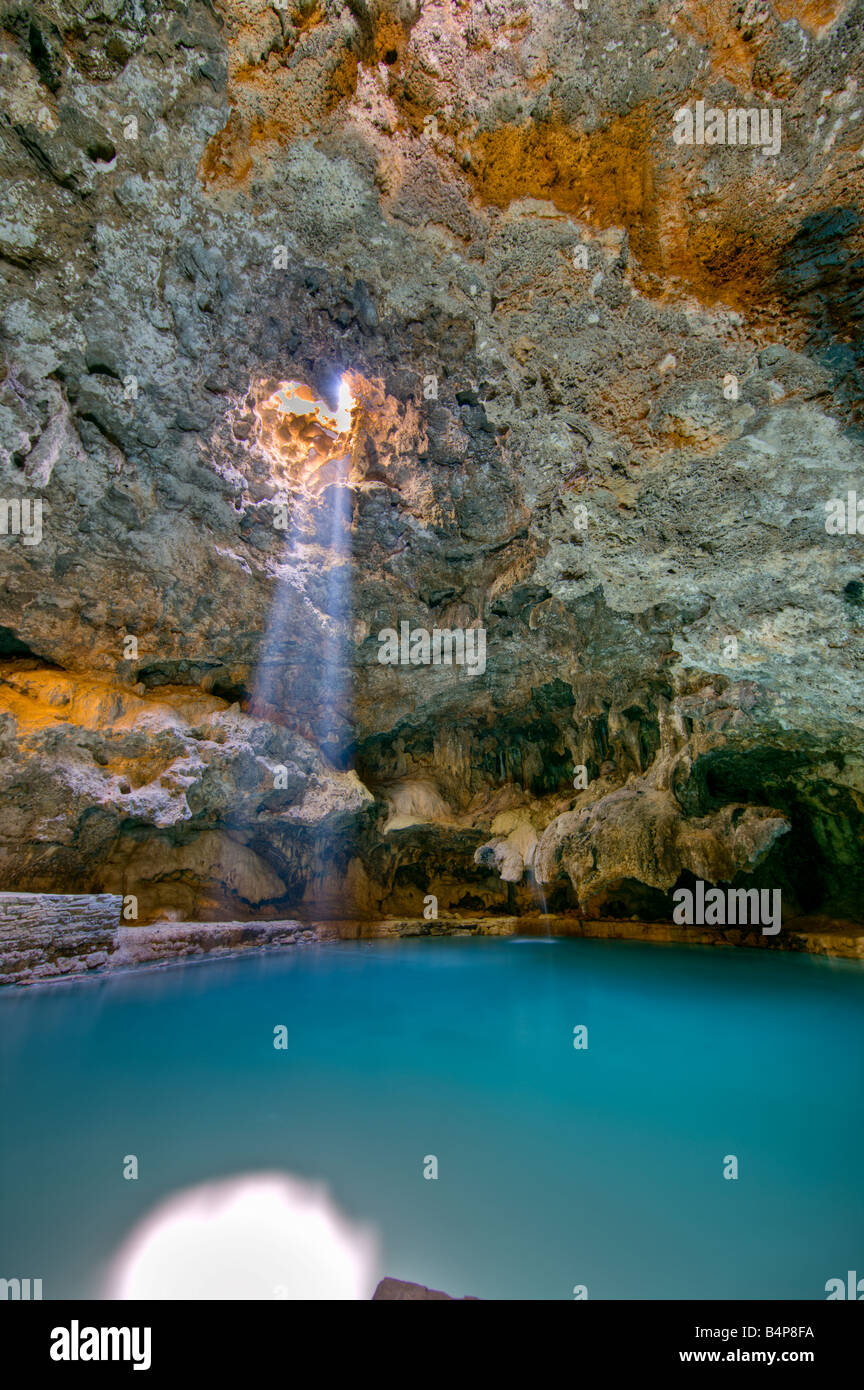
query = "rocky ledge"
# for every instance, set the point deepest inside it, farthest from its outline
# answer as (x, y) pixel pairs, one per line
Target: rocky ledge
(48, 936)
(816, 936)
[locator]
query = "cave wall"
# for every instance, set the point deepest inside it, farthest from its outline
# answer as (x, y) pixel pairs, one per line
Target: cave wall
(604, 388)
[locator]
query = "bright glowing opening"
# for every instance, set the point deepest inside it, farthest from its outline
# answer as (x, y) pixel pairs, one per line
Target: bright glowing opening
(294, 398)
(305, 441)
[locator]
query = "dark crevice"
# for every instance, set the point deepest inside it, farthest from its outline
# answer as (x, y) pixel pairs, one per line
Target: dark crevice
(11, 646)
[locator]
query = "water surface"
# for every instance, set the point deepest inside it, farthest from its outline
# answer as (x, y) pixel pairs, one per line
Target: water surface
(557, 1167)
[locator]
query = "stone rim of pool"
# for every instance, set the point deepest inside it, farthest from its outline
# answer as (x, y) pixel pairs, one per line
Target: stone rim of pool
(49, 936)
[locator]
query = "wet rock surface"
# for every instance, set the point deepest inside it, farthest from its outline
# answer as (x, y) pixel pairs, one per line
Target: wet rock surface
(477, 218)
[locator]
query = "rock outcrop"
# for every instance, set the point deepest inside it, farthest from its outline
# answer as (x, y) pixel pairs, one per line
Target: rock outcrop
(167, 942)
(318, 318)
(400, 1291)
(43, 936)
(47, 936)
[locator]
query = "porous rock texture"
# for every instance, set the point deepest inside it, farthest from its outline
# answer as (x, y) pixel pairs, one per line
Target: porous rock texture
(601, 388)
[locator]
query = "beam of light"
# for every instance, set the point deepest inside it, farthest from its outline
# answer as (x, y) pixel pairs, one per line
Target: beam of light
(334, 682)
(344, 407)
(319, 493)
(260, 1236)
(313, 590)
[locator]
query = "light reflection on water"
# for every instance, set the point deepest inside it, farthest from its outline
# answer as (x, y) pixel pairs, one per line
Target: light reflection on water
(257, 1236)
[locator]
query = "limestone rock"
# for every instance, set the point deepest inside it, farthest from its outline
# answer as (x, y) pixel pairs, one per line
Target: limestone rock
(601, 388)
(45, 936)
(639, 833)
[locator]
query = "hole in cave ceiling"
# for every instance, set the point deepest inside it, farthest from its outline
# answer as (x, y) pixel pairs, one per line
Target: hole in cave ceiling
(306, 441)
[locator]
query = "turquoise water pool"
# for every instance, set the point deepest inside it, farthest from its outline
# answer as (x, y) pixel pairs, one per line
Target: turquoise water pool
(557, 1166)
